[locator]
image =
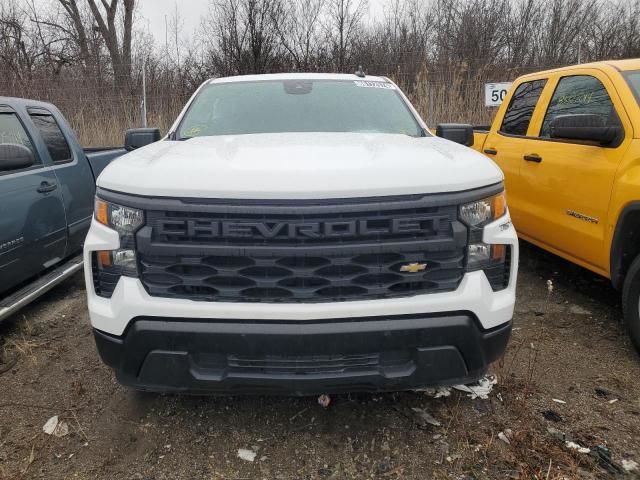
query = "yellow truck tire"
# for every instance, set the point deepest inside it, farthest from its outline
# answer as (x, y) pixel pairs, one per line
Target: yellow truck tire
(631, 302)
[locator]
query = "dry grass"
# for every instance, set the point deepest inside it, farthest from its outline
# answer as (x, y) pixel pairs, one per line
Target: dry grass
(449, 97)
(21, 346)
(100, 113)
(25, 348)
(105, 122)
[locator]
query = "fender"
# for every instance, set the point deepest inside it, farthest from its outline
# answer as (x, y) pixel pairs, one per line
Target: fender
(626, 240)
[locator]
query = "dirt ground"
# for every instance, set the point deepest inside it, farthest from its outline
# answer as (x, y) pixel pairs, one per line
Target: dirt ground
(569, 374)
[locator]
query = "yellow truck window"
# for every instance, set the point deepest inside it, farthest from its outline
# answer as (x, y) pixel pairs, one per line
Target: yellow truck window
(580, 95)
(634, 81)
(518, 115)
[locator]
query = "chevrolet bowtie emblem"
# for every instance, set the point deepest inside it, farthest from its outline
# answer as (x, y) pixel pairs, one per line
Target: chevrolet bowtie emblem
(413, 267)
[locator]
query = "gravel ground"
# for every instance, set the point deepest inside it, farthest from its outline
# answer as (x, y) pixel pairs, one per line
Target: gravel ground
(569, 374)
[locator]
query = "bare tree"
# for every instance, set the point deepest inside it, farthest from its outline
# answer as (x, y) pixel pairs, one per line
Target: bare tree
(563, 30)
(401, 41)
(77, 30)
(245, 36)
(117, 40)
(18, 53)
(630, 38)
(298, 26)
(519, 30)
(344, 19)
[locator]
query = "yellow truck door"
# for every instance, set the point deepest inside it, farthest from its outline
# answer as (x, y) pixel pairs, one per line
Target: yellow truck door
(508, 139)
(565, 185)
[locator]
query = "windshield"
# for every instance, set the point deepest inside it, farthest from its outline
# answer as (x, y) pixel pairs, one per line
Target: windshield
(237, 108)
(634, 82)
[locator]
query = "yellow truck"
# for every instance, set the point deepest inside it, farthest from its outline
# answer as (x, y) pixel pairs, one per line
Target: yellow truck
(568, 142)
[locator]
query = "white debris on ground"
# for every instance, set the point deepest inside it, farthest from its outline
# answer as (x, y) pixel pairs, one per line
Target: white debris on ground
(578, 447)
(504, 436)
(630, 466)
(437, 392)
(324, 400)
(554, 432)
(578, 310)
(481, 389)
(426, 417)
(55, 426)
(248, 455)
(557, 400)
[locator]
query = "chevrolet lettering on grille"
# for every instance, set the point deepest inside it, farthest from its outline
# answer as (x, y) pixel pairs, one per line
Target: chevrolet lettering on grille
(191, 228)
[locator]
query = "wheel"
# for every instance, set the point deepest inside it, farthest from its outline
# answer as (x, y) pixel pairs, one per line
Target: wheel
(631, 302)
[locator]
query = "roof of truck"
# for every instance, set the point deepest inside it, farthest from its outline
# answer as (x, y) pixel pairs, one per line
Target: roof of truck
(298, 76)
(23, 102)
(620, 65)
(625, 65)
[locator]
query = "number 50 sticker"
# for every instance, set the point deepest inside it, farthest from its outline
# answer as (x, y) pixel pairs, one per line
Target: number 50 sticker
(494, 93)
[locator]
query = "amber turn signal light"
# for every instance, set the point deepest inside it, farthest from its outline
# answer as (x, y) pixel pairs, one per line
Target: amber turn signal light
(104, 258)
(498, 252)
(102, 211)
(499, 205)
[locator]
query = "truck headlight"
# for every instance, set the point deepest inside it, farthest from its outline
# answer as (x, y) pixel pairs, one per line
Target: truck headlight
(493, 259)
(482, 212)
(125, 220)
(109, 265)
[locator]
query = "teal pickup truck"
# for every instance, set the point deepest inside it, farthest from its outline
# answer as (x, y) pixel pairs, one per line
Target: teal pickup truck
(47, 188)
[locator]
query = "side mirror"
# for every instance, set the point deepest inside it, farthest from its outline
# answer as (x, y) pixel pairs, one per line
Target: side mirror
(14, 156)
(585, 126)
(456, 132)
(140, 137)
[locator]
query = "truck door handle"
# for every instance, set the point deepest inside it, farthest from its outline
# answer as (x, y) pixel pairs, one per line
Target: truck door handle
(490, 151)
(46, 187)
(533, 158)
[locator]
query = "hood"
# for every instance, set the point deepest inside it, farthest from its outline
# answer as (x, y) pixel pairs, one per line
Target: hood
(299, 166)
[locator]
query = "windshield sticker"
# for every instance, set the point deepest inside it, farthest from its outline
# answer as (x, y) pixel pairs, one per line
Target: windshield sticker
(577, 99)
(194, 131)
(369, 84)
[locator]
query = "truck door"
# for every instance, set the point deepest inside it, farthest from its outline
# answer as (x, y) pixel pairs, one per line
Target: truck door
(73, 172)
(508, 139)
(567, 184)
(33, 229)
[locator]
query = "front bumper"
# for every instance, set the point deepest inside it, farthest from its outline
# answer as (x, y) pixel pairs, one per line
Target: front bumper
(130, 300)
(302, 358)
(168, 344)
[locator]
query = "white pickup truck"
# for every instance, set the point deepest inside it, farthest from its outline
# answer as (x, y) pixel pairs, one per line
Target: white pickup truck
(301, 234)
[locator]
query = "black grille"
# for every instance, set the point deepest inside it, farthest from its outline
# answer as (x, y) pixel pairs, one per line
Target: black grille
(306, 253)
(340, 276)
(305, 365)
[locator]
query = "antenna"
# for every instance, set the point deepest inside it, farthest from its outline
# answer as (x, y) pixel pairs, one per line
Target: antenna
(360, 73)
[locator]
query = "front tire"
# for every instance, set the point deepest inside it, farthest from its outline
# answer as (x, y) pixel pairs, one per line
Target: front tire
(631, 302)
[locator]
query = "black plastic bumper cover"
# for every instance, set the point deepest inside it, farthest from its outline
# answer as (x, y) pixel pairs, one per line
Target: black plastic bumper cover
(302, 358)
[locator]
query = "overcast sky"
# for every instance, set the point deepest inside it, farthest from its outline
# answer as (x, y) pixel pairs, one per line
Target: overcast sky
(154, 12)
